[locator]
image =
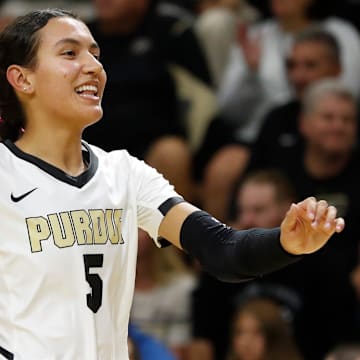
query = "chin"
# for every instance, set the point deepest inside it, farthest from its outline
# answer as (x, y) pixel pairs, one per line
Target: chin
(93, 116)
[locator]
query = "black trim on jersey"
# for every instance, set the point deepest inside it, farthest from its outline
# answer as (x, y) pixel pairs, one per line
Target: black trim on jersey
(169, 203)
(7, 354)
(78, 181)
(164, 209)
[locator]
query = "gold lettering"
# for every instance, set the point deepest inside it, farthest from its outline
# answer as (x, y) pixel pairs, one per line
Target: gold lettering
(62, 230)
(94, 226)
(99, 226)
(82, 227)
(117, 215)
(38, 230)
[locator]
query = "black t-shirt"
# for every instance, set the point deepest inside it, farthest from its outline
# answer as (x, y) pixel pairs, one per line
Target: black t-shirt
(140, 101)
(278, 133)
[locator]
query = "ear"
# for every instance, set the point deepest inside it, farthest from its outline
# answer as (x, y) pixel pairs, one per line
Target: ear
(18, 78)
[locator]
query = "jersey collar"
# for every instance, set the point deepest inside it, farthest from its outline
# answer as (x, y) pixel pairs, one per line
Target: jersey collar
(78, 181)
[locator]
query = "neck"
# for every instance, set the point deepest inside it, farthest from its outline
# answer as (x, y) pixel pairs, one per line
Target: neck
(294, 24)
(321, 165)
(61, 148)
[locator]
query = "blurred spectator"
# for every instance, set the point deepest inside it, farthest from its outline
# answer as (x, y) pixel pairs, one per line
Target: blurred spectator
(4, 17)
(355, 282)
(326, 166)
(314, 56)
(345, 352)
(216, 27)
(328, 125)
(144, 347)
(261, 200)
(142, 113)
(256, 75)
(261, 331)
(163, 287)
(13, 8)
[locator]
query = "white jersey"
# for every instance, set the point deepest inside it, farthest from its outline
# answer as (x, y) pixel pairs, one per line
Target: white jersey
(68, 248)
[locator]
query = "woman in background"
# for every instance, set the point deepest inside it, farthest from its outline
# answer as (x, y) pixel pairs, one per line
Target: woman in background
(261, 331)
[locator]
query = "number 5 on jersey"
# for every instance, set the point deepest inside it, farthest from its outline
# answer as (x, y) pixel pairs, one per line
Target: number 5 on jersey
(94, 299)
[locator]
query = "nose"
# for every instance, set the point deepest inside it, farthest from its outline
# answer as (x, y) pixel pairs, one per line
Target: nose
(297, 74)
(92, 65)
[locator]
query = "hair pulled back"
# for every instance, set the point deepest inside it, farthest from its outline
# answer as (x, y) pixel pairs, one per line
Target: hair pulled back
(19, 43)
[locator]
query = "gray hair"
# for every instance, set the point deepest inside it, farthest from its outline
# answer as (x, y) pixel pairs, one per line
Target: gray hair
(315, 92)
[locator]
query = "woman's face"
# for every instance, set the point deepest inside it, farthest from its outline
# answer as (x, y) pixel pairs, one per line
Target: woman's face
(68, 80)
(289, 8)
(248, 339)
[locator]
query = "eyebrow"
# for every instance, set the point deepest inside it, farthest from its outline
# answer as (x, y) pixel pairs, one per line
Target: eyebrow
(94, 45)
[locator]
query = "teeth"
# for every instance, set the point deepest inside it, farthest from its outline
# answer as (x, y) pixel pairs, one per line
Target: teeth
(91, 88)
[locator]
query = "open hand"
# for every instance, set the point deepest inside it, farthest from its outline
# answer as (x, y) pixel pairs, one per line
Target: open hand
(308, 226)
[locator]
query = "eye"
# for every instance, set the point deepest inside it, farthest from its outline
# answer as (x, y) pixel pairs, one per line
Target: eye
(69, 53)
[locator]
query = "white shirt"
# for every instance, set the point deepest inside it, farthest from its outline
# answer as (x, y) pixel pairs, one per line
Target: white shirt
(68, 249)
(245, 97)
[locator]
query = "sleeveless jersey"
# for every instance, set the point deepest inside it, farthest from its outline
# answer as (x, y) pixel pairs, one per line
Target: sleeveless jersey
(68, 248)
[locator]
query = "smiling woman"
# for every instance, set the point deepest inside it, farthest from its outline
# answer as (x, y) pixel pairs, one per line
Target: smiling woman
(69, 53)
(70, 212)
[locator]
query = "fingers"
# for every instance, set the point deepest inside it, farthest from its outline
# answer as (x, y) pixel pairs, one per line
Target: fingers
(308, 206)
(291, 217)
(340, 224)
(329, 217)
(321, 214)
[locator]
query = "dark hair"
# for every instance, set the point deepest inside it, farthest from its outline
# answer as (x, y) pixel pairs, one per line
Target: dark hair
(277, 332)
(319, 35)
(19, 43)
(284, 188)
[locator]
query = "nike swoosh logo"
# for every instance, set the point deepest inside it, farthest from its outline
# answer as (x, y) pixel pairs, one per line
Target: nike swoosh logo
(19, 198)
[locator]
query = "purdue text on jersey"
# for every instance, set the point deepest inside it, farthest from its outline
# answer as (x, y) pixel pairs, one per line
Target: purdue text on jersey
(78, 226)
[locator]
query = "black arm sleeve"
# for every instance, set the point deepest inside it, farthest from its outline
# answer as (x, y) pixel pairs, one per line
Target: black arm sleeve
(232, 255)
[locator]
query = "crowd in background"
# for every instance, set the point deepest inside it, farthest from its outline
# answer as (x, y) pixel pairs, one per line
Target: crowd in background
(245, 107)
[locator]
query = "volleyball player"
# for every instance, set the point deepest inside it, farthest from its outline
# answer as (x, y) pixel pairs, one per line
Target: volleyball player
(69, 212)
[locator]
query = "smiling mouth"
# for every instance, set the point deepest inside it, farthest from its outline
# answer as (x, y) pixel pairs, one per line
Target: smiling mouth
(90, 91)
